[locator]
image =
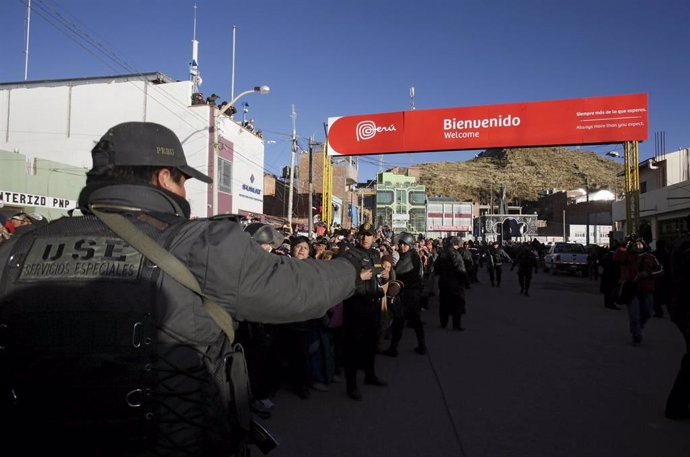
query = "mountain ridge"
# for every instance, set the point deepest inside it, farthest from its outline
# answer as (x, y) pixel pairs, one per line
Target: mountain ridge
(526, 174)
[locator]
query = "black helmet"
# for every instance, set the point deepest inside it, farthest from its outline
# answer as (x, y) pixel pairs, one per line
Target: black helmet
(454, 241)
(264, 234)
(406, 238)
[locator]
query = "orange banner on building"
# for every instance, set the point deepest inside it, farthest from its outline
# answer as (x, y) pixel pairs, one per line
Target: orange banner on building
(594, 120)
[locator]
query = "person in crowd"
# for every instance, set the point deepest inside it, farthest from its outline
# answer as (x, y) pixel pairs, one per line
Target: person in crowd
(21, 220)
(469, 264)
(4, 231)
(303, 339)
(432, 285)
(333, 344)
(593, 261)
(663, 289)
(427, 263)
(362, 315)
(610, 274)
(678, 402)
(450, 268)
(320, 245)
(494, 263)
(390, 303)
(258, 339)
(211, 99)
(526, 262)
(641, 268)
(408, 271)
(154, 382)
(474, 269)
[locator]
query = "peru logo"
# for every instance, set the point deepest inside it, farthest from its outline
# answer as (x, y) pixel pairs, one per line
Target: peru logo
(366, 130)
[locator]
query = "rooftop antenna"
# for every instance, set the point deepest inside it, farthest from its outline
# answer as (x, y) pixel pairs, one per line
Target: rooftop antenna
(26, 48)
(194, 74)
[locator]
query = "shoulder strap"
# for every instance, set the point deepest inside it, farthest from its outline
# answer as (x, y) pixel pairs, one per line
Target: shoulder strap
(168, 263)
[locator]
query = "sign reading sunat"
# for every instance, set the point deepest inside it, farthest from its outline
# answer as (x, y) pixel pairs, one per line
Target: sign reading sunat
(594, 120)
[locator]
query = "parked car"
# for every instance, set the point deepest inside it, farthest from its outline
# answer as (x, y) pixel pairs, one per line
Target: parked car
(567, 257)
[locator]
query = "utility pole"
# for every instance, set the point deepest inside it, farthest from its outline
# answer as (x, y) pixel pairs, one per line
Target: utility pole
(292, 165)
(310, 222)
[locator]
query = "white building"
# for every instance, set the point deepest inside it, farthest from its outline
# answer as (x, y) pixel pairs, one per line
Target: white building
(664, 195)
(61, 120)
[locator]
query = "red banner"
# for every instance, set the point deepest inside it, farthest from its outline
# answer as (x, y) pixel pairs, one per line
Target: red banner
(595, 120)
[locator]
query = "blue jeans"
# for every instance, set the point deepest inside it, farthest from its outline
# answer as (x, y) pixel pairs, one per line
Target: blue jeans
(639, 311)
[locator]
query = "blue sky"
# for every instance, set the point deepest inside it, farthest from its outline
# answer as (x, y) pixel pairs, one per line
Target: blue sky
(334, 58)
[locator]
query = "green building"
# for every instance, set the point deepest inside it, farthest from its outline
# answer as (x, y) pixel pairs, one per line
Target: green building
(38, 186)
(400, 203)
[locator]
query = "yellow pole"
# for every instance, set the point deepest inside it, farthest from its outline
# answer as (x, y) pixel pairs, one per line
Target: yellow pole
(327, 189)
(632, 187)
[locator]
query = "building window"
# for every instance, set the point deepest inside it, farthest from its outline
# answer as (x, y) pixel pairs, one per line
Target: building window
(643, 187)
(418, 219)
(417, 197)
(401, 197)
(384, 197)
(225, 174)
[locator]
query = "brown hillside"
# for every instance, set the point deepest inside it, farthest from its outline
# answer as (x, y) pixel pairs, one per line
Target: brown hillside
(525, 172)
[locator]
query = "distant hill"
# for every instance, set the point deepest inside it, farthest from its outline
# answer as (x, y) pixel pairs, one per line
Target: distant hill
(525, 172)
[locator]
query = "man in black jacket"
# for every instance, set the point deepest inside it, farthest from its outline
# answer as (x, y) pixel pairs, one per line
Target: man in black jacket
(104, 353)
(408, 270)
(450, 268)
(362, 314)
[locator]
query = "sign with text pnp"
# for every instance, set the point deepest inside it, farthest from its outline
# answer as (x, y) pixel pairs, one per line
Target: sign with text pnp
(593, 120)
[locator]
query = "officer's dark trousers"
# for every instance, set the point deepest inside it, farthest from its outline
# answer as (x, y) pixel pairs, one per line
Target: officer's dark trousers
(412, 313)
(451, 305)
(499, 274)
(524, 278)
(361, 333)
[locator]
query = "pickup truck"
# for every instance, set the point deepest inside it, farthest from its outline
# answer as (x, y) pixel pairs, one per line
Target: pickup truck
(570, 257)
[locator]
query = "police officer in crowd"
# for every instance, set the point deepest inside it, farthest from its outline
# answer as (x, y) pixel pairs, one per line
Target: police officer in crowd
(408, 270)
(526, 262)
(450, 268)
(678, 402)
(102, 352)
(362, 314)
(258, 339)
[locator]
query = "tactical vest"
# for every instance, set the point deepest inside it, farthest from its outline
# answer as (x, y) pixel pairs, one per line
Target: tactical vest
(77, 360)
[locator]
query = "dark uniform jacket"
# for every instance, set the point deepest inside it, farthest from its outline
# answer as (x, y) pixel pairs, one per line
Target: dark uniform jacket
(451, 270)
(367, 293)
(185, 405)
(408, 270)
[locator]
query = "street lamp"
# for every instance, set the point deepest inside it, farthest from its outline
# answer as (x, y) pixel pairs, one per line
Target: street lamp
(263, 90)
(614, 154)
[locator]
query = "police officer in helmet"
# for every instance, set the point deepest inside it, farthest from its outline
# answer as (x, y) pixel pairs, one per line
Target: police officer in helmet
(103, 353)
(408, 270)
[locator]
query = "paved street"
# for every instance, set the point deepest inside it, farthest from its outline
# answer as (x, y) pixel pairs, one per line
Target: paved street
(553, 374)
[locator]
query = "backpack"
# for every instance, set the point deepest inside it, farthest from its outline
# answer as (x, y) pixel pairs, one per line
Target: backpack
(77, 361)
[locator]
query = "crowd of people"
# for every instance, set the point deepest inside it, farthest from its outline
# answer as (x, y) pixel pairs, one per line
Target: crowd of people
(447, 267)
(118, 324)
(397, 275)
